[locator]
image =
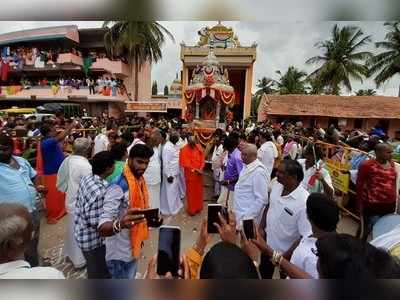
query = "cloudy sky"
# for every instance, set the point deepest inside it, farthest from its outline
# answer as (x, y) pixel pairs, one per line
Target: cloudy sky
(280, 45)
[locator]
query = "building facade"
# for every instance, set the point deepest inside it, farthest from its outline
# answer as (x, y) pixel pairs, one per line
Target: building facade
(52, 65)
(236, 59)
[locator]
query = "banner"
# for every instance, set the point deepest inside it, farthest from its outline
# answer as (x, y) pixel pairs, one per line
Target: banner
(340, 179)
(146, 106)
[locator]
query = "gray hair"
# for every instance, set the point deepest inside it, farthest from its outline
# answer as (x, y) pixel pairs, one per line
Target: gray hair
(14, 221)
(81, 146)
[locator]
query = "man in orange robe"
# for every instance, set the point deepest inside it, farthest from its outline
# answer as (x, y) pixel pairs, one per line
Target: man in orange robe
(192, 159)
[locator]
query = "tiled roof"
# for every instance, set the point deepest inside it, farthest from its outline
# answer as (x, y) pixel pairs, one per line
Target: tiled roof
(379, 107)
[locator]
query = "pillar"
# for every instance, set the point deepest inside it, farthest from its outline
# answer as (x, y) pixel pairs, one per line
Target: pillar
(247, 92)
(185, 83)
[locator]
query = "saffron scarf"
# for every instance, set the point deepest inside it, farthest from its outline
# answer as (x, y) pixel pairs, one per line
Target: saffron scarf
(138, 199)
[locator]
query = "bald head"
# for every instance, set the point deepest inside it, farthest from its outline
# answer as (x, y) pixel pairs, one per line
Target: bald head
(249, 153)
(15, 231)
(383, 152)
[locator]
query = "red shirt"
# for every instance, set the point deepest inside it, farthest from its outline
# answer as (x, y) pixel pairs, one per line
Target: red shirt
(376, 186)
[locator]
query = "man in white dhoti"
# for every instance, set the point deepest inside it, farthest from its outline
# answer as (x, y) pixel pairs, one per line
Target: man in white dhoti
(152, 175)
(251, 190)
(217, 165)
(267, 152)
(182, 141)
(171, 202)
(69, 175)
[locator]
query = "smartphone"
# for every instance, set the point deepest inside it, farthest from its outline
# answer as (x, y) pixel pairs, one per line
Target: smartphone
(152, 216)
(169, 243)
(248, 228)
(212, 217)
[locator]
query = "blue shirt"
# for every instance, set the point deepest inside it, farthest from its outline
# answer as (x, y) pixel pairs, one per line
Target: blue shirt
(233, 167)
(52, 156)
(16, 185)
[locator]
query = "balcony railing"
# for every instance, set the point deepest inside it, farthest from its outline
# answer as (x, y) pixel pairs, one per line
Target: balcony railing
(56, 93)
(69, 58)
(111, 66)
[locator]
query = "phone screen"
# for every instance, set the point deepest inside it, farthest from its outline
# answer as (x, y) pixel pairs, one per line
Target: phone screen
(151, 215)
(212, 217)
(169, 243)
(248, 228)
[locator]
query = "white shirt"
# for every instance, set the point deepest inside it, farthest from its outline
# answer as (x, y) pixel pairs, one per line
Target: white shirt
(78, 166)
(21, 269)
(251, 194)
(267, 155)
(170, 158)
(286, 217)
(181, 143)
(101, 143)
(135, 142)
(152, 175)
(310, 172)
(218, 151)
(304, 257)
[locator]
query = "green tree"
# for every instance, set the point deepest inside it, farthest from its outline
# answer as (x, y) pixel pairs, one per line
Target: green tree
(255, 103)
(387, 63)
(137, 41)
(293, 81)
(166, 90)
(154, 88)
(369, 92)
(341, 59)
(265, 86)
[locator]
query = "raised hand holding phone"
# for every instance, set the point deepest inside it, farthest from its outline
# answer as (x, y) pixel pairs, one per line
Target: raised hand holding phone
(227, 229)
(168, 257)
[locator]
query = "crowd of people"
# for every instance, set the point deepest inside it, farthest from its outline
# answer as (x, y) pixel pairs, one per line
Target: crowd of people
(101, 85)
(274, 174)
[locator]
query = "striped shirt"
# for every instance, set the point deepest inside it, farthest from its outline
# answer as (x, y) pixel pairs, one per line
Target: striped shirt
(89, 208)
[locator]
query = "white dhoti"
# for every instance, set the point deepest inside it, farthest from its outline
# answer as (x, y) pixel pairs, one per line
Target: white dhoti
(71, 248)
(217, 185)
(154, 194)
(223, 197)
(170, 202)
(182, 183)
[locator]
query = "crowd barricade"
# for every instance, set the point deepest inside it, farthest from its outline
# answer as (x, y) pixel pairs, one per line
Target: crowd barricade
(337, 162)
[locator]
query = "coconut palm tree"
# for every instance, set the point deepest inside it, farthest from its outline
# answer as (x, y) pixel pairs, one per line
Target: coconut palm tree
(266, 86)
(369, 92)
(342, 60)
(387, 63)
(292, 82)
(137, 41)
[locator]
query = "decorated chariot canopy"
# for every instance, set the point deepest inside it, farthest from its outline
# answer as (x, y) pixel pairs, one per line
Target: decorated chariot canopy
(210, 79)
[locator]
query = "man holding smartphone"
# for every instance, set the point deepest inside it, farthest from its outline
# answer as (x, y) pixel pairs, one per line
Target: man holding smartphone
(120, 222)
